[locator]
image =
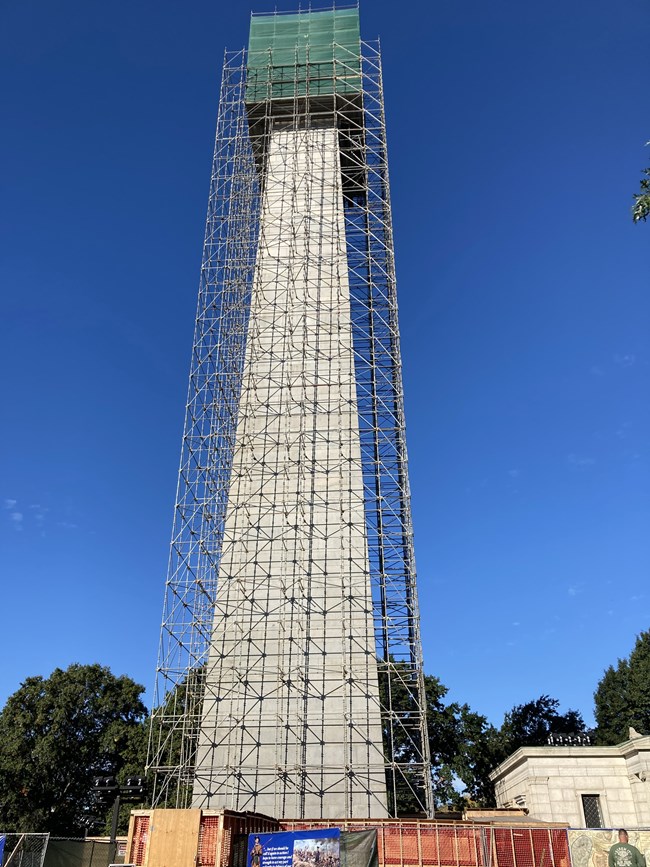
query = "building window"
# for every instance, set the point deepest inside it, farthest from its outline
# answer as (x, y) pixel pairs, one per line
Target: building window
(592, 811)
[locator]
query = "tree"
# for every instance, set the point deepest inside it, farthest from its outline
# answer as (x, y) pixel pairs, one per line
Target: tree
(622, 698)
(479, 753)
(461, 744)
(56, 734)
(132, 761)
(530, 724)
(403, 743)
(173, 734)
(401, 736)
(641, 207)
(444, 727)
(483, 747)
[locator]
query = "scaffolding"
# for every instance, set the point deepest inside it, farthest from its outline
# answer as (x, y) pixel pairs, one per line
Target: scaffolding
(295, 117)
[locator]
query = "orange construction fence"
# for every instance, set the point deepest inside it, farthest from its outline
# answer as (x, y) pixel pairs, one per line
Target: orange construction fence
(404, 843)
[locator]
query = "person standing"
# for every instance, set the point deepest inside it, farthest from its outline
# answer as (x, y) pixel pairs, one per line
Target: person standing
(622, 854)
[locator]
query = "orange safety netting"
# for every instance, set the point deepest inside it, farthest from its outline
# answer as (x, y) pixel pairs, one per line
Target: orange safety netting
(139, 840)
(411, 844)
(208, 839)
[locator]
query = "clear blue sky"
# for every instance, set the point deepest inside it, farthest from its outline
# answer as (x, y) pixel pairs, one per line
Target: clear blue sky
(516, 135)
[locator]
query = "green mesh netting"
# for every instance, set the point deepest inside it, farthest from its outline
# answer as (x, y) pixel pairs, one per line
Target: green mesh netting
(303, 53)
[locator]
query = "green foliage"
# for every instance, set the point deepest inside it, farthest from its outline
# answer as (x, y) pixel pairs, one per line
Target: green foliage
(465, 748)
(641, 207)
(530, 724)
(444, 730)
(130, 763)
(173, 739)
(398, 688)
(57, 733)
(481, 746)
(622, 698)
(457, 741)
(479, 753)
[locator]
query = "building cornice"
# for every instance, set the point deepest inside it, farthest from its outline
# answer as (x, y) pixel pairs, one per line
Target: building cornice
(623, 750)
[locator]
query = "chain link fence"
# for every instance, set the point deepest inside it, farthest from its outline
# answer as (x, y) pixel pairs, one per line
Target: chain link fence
(23, 850)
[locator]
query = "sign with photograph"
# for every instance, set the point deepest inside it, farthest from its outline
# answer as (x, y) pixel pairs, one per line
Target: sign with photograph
(319, 848)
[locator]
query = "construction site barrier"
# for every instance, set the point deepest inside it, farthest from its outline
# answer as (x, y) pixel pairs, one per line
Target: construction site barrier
(219, 839)
(430, 844)
(22, 850)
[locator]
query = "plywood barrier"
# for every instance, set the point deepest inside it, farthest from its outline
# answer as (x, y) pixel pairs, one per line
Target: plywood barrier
(192, 838)
(173, 838)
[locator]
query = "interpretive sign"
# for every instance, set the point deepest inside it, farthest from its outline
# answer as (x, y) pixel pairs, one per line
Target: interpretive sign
(319, 848)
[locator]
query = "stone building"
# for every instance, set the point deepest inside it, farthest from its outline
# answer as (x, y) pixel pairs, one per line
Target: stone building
(584, 786)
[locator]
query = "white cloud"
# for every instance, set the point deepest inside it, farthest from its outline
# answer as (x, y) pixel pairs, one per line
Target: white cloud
(626, 360)
(9, 504)
(580, 461)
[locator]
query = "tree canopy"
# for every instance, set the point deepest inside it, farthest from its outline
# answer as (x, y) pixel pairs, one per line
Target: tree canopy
(530, 724)
(56, 734)
(460, 743)
(622, 698)
(481, 746)
(465, 747)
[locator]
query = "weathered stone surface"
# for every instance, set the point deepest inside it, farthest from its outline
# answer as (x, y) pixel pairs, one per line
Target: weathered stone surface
(296, 731)
(550, 782)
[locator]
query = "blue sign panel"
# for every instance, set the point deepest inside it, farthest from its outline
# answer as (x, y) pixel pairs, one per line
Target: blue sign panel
(2, 846)
(295, 849)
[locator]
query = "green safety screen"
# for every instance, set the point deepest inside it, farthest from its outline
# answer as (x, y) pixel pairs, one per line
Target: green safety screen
(303, 54)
